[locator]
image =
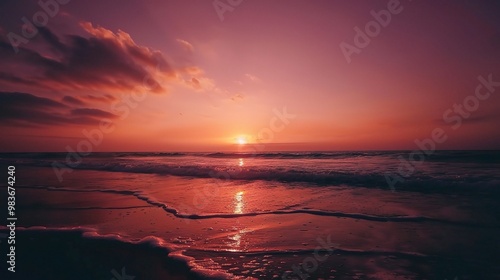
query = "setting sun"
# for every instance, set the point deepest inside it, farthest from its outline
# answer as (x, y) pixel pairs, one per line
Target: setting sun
(241, 140)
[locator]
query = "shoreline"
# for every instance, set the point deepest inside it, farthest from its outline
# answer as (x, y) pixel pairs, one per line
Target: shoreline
(82, 253)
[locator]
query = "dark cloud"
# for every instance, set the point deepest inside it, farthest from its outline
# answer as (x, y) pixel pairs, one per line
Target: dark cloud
(24, 109)
(102, 61)
(12, 79)
(21, 100)
(73, 100)
(70, 74)
(472, 119)
(483, 118)
(86, 112)
(103, 98)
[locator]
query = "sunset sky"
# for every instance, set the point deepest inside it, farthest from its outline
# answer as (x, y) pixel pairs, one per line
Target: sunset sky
(210, 83)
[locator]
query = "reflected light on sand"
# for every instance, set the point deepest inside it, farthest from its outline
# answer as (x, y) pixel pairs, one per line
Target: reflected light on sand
(239, 206)
(237, 240)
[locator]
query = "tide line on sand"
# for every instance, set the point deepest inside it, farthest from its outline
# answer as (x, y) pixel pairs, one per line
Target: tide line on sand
(152, 201)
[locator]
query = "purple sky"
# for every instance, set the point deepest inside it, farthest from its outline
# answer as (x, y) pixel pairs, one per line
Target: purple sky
(212, 82)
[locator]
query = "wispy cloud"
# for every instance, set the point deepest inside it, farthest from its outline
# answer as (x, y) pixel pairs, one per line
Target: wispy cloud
(186, 45)
(253, 78)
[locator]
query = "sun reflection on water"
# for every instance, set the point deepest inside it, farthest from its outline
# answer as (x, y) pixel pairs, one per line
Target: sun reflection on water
(236, 240)
(238, 203)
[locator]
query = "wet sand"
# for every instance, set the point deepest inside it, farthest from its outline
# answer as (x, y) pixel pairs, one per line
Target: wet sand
(248, 231)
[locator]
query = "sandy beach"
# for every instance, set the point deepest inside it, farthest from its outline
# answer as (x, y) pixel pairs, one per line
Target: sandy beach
(247, 231)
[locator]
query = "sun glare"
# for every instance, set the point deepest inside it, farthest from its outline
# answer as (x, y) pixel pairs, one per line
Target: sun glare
(241, 140)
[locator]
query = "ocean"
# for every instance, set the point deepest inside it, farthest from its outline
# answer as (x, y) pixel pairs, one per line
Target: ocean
(273, 215)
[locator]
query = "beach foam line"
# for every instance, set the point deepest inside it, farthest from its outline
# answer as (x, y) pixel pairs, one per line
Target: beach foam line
(336, 250)
(173, 252)
(180, 253)
(413, 256)
(374, 218)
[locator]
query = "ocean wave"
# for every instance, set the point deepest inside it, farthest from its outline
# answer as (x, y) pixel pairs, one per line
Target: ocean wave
(466, 156)
(442, 156)
(307, 155)
(415, 182)
(313, 168)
